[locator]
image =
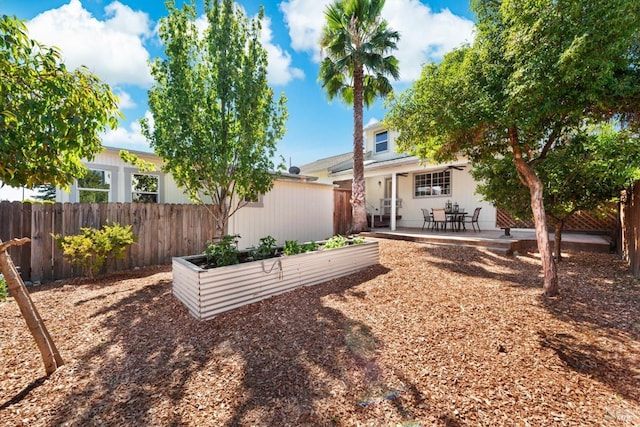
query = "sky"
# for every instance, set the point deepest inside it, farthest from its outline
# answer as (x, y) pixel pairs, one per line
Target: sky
(117, 39)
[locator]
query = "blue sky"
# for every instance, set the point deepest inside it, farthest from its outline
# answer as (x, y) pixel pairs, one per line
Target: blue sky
(116, 39)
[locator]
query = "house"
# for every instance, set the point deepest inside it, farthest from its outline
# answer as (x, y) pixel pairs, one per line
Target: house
(297, 208)
(398, 186)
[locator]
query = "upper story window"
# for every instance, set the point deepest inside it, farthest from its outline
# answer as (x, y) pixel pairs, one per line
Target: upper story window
(381, 142)
(95, 187)
(145, 188)
(432, 184)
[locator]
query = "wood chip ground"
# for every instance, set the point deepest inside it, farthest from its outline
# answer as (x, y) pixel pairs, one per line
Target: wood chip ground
(433, 336)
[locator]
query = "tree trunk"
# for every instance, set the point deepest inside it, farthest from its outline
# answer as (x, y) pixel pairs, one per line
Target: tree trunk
(539, 217)
(358, 203)
(557, 241)
(50, 355)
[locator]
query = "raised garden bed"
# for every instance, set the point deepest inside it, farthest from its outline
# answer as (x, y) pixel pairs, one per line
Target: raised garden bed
(209, 292)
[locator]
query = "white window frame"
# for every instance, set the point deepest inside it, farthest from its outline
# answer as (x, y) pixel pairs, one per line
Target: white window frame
(376, 142)
(129, 172)
(429, 183)
(157, 192)
(254, 204)
(110, 175)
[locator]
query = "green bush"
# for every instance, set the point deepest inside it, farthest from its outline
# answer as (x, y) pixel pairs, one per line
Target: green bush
(291, 247)
(266, 249)
(4, 291)
(336, 242)
(309, 247)
(91, 249)
(224, 252)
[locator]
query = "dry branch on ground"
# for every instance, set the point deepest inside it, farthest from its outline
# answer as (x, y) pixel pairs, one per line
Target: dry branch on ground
(433, 336)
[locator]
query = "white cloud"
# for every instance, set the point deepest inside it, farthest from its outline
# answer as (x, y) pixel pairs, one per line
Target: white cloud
(124, 99)
(424, 35)
(305, 20)
(129, 138)
(113, 49)
(279, 69)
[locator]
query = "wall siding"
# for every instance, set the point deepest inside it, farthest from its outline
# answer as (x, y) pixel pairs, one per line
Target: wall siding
(292, 210)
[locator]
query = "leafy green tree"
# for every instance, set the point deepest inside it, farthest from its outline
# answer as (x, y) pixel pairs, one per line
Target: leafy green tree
(50, 119)
(586, 172)
(356, 42)
(215, 120)
(46, 192)
(536, 72)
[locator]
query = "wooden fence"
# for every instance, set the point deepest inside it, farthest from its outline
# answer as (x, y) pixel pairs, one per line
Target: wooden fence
(162, 231)
(605, 221)
(630, 220)
(342, 211)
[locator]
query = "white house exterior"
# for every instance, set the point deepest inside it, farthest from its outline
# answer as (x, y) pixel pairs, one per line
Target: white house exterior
(391, 176)
(297, 208)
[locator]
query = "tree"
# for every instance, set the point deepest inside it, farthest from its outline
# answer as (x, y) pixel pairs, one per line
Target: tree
(536, 72)
(50, 119)
(215, 121)
(356, 41)
(586, 172)
(46, 192)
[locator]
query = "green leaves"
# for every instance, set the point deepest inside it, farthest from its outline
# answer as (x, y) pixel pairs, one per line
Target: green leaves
(50, 118)
(216, 122)
(356, 38)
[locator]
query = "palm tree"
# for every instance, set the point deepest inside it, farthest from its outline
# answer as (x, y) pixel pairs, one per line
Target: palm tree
(356, 42)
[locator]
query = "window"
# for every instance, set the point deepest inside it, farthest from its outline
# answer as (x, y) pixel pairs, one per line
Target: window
(253, 200)
(145, 188)
(432, 184)
(382, 143)
(95, 187)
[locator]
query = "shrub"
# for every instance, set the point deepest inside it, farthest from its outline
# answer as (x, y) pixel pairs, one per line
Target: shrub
(291, 247)
(224, 252)
(266, 249)
(4, 292)
(92, 247)
(336, 242)
(309, 247)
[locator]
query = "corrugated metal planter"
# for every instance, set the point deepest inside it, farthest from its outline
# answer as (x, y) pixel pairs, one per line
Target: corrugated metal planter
(209, 292)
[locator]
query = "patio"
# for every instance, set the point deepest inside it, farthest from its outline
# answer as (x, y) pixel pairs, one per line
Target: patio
(519, 240)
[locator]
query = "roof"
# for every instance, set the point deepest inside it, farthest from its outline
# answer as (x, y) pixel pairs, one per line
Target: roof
(326, 163)
(369, 164)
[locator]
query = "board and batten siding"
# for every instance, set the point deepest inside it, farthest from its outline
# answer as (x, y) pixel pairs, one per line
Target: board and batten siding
(293, 210)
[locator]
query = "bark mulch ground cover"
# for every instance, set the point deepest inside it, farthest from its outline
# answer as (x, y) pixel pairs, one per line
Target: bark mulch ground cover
(433, 336)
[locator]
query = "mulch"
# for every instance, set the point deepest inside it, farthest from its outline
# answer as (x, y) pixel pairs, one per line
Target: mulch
(433, 336)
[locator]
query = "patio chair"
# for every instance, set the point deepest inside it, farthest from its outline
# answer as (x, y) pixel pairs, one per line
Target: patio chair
(439, 218)
(427, 218)
(473, 220)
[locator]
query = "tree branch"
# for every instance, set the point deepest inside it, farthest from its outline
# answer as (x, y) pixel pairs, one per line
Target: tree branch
(15, 242)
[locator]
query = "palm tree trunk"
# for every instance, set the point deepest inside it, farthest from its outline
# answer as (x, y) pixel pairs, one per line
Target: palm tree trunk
(358, 205)
(50, 355)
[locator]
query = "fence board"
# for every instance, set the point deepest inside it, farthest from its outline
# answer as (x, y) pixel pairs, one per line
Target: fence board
(162, 232)
(58, 229)
(342, 211)
(630, 219)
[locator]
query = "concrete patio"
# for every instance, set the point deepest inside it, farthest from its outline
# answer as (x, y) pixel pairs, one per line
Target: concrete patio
(495, 240)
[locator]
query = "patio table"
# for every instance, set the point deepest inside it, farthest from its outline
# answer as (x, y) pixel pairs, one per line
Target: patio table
(456, 219)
